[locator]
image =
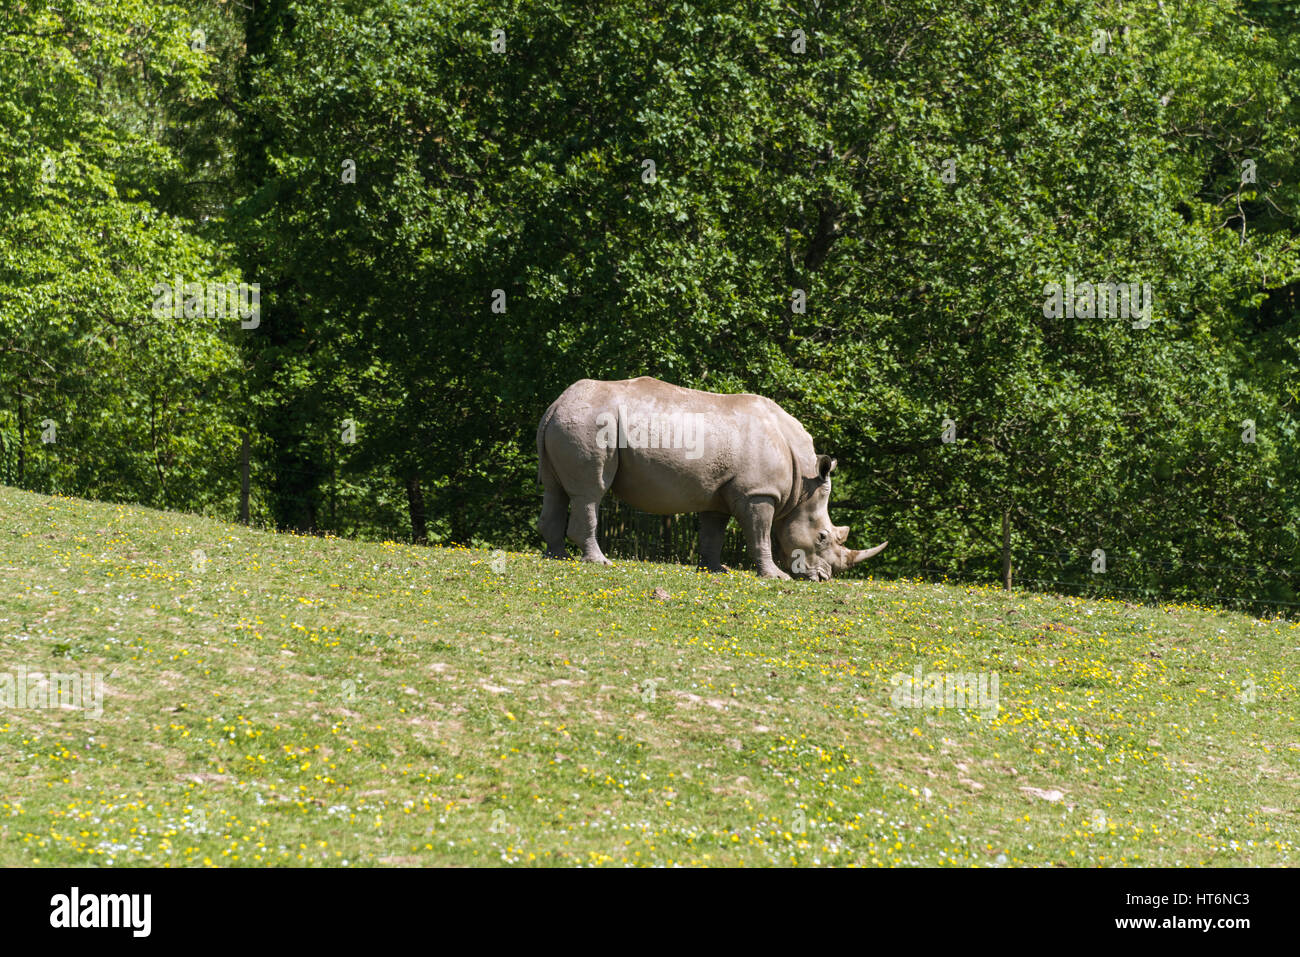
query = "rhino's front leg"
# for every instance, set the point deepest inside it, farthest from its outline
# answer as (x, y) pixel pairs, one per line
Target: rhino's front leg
(712, 526)
(755, 516)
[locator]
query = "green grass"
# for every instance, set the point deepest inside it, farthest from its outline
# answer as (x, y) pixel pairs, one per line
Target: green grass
(313, 701)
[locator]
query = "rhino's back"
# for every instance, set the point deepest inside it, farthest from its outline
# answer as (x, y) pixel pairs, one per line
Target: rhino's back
(648, 392)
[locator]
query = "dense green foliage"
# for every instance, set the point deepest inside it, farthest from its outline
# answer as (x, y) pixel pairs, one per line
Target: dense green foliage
(128, 407)
(920, 170)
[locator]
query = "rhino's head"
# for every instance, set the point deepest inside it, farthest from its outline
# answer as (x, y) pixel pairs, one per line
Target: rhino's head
(805, 543)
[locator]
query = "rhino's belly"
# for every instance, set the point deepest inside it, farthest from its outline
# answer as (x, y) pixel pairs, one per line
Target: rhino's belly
(666, 484)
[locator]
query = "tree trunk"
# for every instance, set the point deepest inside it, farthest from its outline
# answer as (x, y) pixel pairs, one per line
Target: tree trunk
(1006, 549)
(415, 505)
(244, 481)
(22, 443)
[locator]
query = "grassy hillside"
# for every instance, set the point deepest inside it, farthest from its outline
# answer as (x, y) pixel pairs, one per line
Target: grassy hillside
(276, 699)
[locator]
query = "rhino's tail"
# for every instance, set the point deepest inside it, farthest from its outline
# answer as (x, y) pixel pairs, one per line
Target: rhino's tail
(545, 472)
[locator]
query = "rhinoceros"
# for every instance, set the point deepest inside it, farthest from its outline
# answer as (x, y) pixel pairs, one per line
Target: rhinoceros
(667, 450)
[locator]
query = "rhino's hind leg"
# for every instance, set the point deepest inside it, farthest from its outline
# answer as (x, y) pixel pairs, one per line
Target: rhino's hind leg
(575, 474)
(555, 514)
(582, 530)
(585, 493)
(755, 517)
(712, 526)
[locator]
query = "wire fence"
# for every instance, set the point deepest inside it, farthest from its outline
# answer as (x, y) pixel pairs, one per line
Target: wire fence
(626, 533)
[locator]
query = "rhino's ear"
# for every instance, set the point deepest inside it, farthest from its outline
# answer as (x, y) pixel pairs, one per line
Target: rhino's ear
(825, 466)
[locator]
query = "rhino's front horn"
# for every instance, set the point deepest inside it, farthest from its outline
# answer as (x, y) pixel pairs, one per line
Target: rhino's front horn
(861, 555)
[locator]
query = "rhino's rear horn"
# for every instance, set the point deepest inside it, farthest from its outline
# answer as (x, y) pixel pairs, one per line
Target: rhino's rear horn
(861, 555)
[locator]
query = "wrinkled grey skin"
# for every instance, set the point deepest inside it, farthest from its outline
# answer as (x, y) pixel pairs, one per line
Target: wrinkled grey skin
(749, 459)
